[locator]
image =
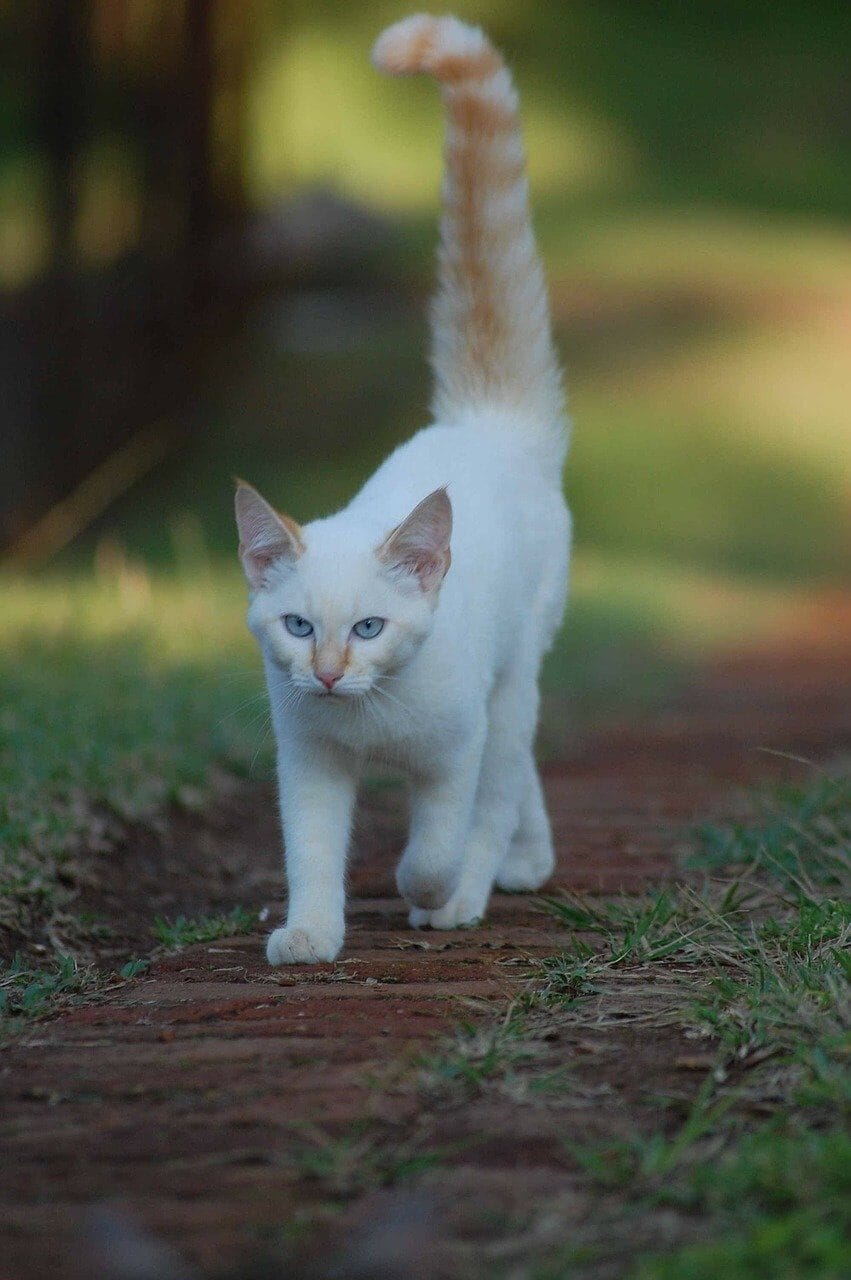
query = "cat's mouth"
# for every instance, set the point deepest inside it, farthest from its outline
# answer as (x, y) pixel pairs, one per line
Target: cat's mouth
(338, 695)
(350, 692)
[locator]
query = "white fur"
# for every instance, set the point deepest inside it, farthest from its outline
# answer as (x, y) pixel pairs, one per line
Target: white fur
(446, 695)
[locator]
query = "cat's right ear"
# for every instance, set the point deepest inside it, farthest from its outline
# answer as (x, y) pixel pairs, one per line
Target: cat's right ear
(264, 535)
(419, 546)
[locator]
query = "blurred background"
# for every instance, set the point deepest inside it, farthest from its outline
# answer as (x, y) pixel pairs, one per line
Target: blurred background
(217, 226)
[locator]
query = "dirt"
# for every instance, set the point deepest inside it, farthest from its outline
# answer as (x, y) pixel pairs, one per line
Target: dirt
(200, 1093)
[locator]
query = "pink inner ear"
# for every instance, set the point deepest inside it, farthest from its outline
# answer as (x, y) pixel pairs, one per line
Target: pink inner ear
(264, 535)
(260, 557)
(420, 544)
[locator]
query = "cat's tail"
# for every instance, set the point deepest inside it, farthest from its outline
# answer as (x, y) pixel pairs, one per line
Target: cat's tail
(492, 347)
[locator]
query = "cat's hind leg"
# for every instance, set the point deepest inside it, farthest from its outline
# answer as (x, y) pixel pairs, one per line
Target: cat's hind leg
(512, 714)
(441, 806)
(529, 862)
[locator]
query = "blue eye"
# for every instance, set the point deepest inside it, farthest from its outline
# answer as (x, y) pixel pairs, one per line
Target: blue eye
(297, 626)
(368, 628)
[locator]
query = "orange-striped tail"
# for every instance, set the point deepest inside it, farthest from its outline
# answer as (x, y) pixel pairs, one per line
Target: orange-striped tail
(492, 343)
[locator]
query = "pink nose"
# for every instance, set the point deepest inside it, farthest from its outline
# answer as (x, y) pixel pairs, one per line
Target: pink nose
(329, 678)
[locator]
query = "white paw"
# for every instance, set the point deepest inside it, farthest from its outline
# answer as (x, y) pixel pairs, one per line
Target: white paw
(423, 887)
(303, 946)
(525, 869)
(461, 911)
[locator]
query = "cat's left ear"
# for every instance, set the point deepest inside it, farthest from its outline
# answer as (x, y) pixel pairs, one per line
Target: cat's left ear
(420, 544)
(264, 535)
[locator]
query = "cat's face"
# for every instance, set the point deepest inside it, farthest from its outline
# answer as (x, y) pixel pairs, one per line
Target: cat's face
(332, 611)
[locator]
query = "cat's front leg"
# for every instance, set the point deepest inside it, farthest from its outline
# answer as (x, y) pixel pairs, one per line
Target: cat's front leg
(317, 797)
(441, 808)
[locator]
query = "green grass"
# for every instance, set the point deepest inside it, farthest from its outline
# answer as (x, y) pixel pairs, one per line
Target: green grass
(780, 1206)
(27, 992)
(368, 1156)
(181, 932)
(775, 1206)
(479, 1056)
(644, 1160)
(750, 1177)
(761, 961)
(795, 821)
(733, 105)
(120, 696)
(757, 968)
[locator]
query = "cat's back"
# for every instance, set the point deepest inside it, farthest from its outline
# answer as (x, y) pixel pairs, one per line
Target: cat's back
(510, 522)
(486, 475)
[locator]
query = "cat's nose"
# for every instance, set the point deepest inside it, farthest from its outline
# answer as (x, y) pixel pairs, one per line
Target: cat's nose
(329, 678)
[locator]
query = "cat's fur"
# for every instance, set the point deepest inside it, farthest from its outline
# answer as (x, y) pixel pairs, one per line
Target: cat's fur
(447, 693)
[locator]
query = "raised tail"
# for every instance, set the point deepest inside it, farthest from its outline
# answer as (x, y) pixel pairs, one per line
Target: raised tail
(492, 347)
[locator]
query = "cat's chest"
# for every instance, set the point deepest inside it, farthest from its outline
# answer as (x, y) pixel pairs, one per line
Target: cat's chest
(404, 737)
(381, 739)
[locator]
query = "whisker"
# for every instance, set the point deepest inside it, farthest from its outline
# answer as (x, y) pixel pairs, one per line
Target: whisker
(260, 746)
(235, 711)
(396, 703)
(259, 719)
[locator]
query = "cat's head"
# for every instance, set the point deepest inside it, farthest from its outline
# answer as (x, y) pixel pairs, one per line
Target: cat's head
(331, 607)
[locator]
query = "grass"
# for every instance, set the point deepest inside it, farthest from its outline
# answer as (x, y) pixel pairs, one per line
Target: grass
(368, 1156)
(622, 103)
(763, 977)
(648, 1159)
(121, 695)
(756, 970)
(29, 992)
(817, 817)
(773, 1205)
(481, 1056)
(181, 932)
(749, 1177)
(26, 992)
(780, 1205)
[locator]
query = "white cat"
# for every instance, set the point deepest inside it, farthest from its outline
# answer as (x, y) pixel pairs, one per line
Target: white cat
(376, 652)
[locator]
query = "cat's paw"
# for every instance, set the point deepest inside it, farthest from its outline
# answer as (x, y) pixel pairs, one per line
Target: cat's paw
(303, 946)
(525, 868)
(462, 911)
(424, 888)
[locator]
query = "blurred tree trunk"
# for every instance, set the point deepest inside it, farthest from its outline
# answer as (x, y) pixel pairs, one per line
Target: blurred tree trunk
(64, 104)
(106, 340)
(199, 220)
